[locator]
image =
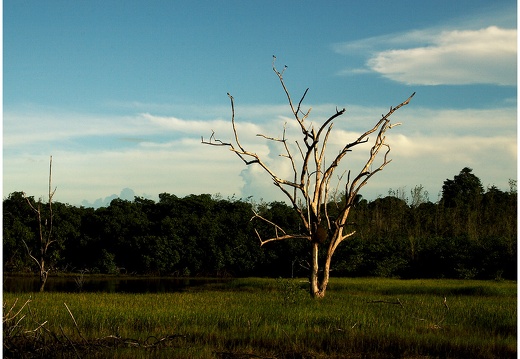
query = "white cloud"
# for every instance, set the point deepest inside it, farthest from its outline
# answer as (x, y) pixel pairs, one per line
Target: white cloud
(358, 71)
(454, 57)
(186, 168)
(182, 125)
(434, 57)
(457, 149)
(429, 147)
(374, 44)
(32, 128)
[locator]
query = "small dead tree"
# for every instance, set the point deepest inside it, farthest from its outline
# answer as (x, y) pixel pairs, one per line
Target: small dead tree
(45, 238)
(309, 189)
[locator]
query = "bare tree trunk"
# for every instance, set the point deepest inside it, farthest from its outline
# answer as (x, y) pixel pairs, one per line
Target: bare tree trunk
(43, 274)
(45, 236)
(314, 285)
(326, 275)
(308, 188)
(318, 286)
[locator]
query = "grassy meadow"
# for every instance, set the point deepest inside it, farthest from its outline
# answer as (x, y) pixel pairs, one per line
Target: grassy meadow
(270, 318)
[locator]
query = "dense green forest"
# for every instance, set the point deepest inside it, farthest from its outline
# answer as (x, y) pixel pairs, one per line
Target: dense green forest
(468, 233)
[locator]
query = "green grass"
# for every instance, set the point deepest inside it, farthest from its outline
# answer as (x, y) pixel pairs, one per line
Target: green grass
(275, 318)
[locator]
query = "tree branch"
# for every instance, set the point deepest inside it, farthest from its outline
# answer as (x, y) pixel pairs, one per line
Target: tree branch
(280, 233)
(309, 189)
(29, 252)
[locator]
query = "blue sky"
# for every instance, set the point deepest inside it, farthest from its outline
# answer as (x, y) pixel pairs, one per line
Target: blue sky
(120, 92)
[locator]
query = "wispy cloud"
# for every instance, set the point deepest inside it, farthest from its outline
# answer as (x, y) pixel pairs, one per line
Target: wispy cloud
(31, 128)
(435, 57)
(486, 56)
(164, 154)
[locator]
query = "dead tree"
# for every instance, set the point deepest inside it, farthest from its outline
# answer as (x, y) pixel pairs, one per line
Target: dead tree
(309, 190)
(45, 238)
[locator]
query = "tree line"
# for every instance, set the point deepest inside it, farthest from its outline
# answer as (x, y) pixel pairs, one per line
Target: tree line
(468, 233)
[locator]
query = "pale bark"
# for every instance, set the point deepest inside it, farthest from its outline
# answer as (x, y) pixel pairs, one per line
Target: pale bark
(308, 189)
(44, 235)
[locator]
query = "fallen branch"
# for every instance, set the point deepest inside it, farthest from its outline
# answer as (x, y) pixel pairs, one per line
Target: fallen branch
(431, 323)
(21, 341)
(398, 302)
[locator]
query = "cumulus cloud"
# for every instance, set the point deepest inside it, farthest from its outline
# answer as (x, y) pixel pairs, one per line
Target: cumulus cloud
(127, 194)
(434, 57)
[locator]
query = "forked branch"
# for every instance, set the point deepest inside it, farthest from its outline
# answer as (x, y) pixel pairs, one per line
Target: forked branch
(280, 233)
(45, 236)
(308, 189)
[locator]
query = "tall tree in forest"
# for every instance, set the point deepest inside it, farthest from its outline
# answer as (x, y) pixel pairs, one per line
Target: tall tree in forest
(45, 235)
(464, 189)
(461, 198)
(311, 186)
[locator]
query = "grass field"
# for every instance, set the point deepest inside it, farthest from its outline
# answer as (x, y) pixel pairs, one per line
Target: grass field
(268, 318)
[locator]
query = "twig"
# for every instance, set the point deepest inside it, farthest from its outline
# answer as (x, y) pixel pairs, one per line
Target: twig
(34, 330)
(75, 323)
(70, 342)
(398, 302)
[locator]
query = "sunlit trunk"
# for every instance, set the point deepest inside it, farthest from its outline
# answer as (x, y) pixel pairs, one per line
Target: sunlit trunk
(317, 286)
(314, 270)
(43, 275)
